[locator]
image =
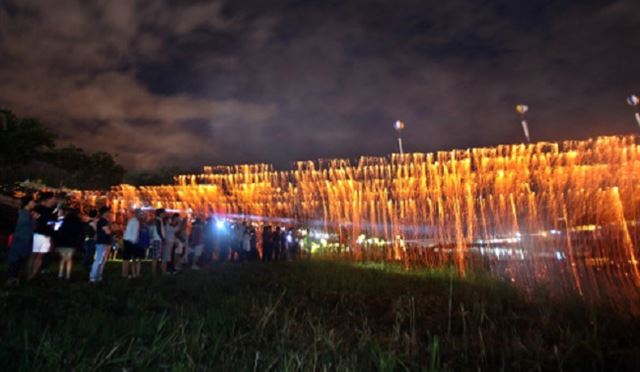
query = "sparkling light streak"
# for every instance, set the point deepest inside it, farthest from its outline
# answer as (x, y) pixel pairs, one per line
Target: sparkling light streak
(565, 214)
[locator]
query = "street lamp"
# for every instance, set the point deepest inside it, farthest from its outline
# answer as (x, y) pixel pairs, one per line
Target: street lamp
(522, 109)
(634, 102)
(399, 126)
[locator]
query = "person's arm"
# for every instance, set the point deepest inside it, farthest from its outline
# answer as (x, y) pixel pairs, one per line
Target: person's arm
(107, 228)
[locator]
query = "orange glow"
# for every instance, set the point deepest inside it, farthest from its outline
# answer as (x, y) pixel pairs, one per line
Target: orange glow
(552, 209)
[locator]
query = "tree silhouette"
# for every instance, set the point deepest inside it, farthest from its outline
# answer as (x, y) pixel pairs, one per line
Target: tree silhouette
(27, 150)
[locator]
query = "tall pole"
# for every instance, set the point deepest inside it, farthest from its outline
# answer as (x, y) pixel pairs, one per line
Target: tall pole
(522, 109)
(399, 126)
(634, 102)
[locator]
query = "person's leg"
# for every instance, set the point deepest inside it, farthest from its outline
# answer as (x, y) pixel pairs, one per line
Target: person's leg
(178, 254)
(69, 264)
(89, 253)
(137, 268)
(177, 260)
(63, 261)
(125, 268)
(35, 265)
(142, 253)
(13, 268)
(166, 254)
(45, 260)
(153, 255)
(105, 258)
(30, 263)
(197, 252)
(125, 259)
(97, 261)
(13, 271)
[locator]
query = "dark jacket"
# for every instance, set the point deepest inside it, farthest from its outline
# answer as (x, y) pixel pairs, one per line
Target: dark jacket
(44, 222)
(71, 233)
(23, 236)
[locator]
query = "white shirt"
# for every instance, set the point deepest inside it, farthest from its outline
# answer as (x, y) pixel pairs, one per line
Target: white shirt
(132, 232)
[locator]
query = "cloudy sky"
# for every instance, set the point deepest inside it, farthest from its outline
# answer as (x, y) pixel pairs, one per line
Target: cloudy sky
(206, 82)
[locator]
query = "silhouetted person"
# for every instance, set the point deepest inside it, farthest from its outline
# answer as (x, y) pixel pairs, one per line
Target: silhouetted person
(68, 239)
(104, 240)
(278, 245)
(197, 242)
(253, 253)
(22, 243)
(267, 244)
(45, 220)
(90, 239)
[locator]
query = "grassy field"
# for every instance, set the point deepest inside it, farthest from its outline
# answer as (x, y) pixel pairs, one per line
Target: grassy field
(314, 315)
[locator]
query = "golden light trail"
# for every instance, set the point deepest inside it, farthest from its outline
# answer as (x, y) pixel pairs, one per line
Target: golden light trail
(565, 214)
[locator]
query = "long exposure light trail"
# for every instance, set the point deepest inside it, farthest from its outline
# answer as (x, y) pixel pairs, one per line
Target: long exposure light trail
(562, 214)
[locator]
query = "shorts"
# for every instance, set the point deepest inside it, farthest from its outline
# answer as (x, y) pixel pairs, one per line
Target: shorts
(41, 243)
(130, 250)
(155, 250)
(65, 251)
(139, 252)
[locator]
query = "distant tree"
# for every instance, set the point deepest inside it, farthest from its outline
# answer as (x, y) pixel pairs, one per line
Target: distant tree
(104, 171)
(21, 141)
(80, 170)
(27, 150)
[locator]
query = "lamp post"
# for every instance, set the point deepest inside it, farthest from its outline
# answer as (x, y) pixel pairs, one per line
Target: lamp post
(399, 126)
(522, 109)
(634, 102)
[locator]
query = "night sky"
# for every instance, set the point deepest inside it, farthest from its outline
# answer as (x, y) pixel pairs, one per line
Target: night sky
(190, 83)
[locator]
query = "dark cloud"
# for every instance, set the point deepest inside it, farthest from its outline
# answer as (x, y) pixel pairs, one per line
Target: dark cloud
(168, 82)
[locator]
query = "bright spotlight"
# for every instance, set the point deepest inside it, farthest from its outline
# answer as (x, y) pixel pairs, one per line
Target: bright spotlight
(220, 224)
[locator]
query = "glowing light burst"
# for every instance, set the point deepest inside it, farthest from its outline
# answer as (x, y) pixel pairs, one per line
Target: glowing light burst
(565, 214)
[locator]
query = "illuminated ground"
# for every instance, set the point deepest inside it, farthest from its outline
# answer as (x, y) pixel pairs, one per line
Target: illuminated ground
(304, 315)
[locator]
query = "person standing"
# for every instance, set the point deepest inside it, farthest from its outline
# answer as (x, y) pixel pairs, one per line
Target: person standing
(197, 242)
(157, 240)
(277, 243)
(68, 238)
(246, 243)
(104, 239)
(267, 244)
(210, 250)
(90, 239)
(45, 220)
(180, 249)
(291, 243)
(238, 235)
(130, 242)
(22, 243)
(144, 240)
(170, 227)
(253, 255)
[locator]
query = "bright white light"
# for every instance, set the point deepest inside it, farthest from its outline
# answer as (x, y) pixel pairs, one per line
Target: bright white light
(521, 109)
(220, 224)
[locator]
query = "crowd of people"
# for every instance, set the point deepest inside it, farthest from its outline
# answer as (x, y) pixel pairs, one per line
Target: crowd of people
(170, 241)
